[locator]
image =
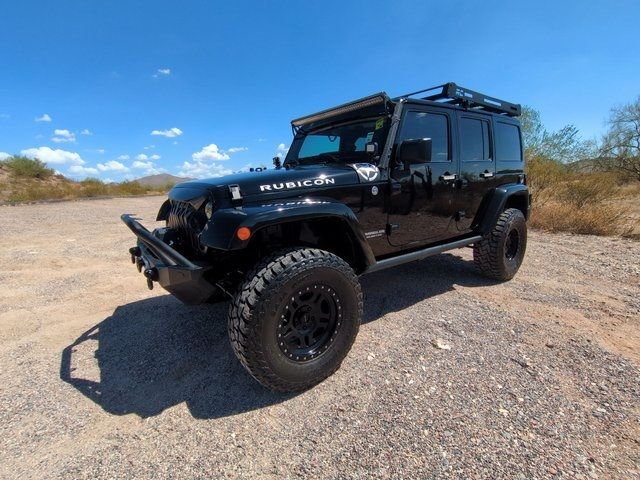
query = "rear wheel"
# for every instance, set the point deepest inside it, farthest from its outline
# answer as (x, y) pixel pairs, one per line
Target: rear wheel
(295, 318)
(500, 254)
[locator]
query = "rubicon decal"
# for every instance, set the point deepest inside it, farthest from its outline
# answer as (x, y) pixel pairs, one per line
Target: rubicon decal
(314, 182)
(366, 171)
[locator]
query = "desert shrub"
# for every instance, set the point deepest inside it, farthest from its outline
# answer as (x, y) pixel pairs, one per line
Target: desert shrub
(592, 220)
(92, 187)
(582, 189)
(128, 188)
(544, 175)
(567, 201)
(33, 192)
(26, 167)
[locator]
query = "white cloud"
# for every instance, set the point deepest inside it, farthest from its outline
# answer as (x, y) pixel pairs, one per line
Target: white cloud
(43, 118)
(210, 152)
(149, 147)
(148, 167)
(4, 156)
(171, 133)
(140, 165)
(203, 164)
(112, 165)
(53, 157)
(281, 150)
(124, 157)
(86, 131)
(63, 135)
(155, 156)
(162, 72)
(200, 169)
(141, 157)
(260, 140)
(80, 170)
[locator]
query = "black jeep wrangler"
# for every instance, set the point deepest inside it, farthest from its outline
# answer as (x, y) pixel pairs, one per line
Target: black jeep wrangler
(366, 185)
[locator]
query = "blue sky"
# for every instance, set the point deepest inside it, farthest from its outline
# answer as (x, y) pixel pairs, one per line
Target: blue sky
(119, 89)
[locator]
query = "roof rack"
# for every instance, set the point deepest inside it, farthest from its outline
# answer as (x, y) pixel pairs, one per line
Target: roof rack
(453, 94)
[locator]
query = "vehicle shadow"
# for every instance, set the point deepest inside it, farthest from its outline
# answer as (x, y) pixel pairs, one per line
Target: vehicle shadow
(156, 353)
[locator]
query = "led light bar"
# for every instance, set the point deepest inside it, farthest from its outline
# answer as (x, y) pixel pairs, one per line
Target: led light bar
(369, 101)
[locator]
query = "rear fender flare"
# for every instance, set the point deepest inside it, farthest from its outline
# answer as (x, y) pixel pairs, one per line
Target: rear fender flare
(496, 201)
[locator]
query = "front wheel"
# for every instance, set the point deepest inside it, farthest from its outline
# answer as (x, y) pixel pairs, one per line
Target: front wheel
(295, 318)
(500, 254)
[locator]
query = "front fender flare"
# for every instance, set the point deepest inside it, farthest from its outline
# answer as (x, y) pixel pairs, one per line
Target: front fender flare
(220, 231)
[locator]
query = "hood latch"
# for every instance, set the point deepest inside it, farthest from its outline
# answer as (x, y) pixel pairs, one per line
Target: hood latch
(236, 196)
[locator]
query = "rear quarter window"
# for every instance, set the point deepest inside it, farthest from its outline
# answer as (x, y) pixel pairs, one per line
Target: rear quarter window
(508, 144)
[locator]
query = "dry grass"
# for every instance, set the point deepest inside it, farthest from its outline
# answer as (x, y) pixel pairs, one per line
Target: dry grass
(586, 203)
(594, 220)
(23, 180)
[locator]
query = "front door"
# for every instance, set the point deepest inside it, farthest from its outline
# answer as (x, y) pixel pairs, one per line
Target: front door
(423, 197)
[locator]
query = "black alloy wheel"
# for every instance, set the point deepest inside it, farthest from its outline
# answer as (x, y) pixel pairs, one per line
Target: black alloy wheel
(309, 323)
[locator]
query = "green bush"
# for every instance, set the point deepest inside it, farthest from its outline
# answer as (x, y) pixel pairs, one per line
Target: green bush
(26, 167)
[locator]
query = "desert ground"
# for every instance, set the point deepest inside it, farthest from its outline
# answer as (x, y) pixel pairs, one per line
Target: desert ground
(452, 375)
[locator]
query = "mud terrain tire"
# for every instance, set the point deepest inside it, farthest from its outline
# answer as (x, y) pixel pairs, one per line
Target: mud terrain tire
(295, 318)
(500, 254)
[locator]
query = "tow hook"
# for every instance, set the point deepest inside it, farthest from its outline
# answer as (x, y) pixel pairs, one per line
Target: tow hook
(151, 274)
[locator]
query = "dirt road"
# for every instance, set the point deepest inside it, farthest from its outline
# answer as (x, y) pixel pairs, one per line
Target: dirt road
(102, 378)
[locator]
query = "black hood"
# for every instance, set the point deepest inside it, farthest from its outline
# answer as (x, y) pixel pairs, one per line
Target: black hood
(271, 183)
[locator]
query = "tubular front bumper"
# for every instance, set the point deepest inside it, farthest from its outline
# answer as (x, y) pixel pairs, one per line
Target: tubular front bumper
(172, 270)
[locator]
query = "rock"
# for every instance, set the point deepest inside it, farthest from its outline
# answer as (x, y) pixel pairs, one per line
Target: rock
(440, 344)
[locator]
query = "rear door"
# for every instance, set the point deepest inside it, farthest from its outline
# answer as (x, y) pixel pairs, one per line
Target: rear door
(422, 199)
(477, 165)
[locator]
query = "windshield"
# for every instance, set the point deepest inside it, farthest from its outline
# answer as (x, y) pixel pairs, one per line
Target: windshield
(343, 143)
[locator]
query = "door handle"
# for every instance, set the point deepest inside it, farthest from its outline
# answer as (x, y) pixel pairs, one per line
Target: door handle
(486, 174)
(448, 177)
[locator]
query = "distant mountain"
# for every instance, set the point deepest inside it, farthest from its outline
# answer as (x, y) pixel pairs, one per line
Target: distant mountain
(161, 180)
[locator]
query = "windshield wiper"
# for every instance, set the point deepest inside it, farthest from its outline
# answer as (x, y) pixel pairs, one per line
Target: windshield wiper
(332, 156)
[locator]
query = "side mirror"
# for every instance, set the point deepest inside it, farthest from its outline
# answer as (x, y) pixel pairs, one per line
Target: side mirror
(417, 150)
(371, 148)
(277, 162)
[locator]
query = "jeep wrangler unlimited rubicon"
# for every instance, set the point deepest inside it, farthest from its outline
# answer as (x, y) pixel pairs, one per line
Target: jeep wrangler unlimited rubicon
(367, 185)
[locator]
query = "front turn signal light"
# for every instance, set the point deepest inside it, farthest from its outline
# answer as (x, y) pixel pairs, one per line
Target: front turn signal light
(243, 233)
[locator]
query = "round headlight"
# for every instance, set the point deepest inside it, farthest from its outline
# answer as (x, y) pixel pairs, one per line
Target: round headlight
(208, 209)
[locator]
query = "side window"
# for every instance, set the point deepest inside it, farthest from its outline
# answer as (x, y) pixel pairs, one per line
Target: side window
(475, 145)
(428, 125)
(508, 146)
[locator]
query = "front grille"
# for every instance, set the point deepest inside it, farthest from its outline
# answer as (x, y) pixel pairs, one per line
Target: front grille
(187, 222)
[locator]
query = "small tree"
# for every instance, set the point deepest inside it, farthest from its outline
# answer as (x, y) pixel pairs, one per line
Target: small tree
(564, 145)
(620, 151)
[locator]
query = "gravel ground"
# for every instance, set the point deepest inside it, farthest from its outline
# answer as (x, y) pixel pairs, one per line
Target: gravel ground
(102, 378)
